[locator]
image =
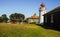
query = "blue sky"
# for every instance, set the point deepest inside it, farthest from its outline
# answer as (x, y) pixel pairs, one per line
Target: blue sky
(26, 7)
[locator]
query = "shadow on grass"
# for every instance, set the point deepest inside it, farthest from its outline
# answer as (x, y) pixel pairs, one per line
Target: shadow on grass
(50, 27)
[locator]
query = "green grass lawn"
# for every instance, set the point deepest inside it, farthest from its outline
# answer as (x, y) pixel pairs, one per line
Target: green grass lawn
(26, 30)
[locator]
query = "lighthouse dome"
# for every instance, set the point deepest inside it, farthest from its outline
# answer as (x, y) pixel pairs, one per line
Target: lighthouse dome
(42, 4)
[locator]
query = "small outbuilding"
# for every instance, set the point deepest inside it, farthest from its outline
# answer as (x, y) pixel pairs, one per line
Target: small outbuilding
(33, 19)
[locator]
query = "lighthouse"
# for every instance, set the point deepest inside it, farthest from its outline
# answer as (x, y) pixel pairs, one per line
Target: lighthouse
(42, 11)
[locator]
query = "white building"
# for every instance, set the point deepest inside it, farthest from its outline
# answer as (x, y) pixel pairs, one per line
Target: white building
(33, 19)
(42, 11)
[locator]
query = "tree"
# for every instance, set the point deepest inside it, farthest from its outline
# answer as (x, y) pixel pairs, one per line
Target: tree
(4, 18)
(16, 17)
(1, 19)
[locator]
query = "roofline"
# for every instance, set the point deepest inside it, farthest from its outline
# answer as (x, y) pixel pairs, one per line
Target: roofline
(53, 11)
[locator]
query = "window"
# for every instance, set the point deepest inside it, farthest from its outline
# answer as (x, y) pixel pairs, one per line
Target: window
(46, 19)
(52, 18)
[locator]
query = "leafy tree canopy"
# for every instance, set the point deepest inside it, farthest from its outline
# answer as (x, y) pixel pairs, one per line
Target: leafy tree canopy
(17, 17)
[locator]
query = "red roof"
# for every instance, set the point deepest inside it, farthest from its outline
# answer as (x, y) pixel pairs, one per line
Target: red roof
(34, 17)
(42, 4)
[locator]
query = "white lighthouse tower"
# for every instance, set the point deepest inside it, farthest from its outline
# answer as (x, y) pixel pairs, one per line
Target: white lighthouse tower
(42, 11)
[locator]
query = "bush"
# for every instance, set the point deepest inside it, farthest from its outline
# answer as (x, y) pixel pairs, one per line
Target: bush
(33, 23)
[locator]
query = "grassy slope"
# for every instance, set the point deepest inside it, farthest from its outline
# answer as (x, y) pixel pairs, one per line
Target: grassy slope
(27, 30)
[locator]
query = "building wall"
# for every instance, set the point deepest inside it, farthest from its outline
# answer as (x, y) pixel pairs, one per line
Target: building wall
(32, 20)
(52, 20)
(47, 20)
(57, 19)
